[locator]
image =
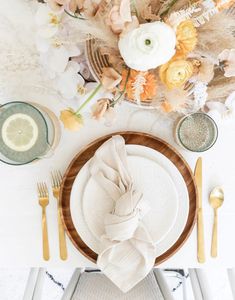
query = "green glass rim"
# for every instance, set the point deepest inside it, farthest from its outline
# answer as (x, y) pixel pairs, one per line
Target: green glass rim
(212, 121)
(44, 120)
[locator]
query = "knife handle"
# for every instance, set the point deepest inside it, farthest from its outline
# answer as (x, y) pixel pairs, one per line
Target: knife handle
(200, 237)
(62, 240)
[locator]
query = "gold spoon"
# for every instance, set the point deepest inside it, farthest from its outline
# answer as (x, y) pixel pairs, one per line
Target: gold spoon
(216, 199)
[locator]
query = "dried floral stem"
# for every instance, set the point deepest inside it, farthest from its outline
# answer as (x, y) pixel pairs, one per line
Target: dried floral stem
(123, 91)
(73, 16)
(134, 8)
(89, 99)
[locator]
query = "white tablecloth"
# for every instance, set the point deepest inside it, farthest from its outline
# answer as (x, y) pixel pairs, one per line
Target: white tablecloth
(20, 214)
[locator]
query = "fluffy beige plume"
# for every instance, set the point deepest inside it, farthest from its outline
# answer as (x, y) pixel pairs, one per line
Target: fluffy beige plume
(171, 6)
(216, 35)
(92, 28)
(220, 88)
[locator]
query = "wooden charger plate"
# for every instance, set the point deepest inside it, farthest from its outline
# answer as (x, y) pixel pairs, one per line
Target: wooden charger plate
(137, 138)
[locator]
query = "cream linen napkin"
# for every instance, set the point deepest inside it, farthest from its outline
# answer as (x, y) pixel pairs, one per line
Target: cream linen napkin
(127, 251)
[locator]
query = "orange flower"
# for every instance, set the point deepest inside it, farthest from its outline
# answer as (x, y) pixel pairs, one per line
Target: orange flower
(186, 35)
(139, 85)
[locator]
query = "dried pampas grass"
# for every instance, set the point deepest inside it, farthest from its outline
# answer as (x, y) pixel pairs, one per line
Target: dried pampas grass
(216, 35)
(220, 88)
(171, 6)
(94, 28)
(177, 99)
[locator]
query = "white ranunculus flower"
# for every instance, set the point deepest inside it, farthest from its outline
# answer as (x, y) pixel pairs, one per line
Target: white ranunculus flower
(148, 46)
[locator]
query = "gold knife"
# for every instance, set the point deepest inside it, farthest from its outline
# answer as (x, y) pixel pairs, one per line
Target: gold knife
(200, 227)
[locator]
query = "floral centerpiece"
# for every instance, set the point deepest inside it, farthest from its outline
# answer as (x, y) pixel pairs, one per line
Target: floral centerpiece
(169, 54)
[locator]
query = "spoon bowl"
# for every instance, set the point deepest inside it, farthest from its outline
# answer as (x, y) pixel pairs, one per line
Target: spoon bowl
(216, 197)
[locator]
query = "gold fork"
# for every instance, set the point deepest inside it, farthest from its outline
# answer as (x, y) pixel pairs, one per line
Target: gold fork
(43, 202)
(56, 178)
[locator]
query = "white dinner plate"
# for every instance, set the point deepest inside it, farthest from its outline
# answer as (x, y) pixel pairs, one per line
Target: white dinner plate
(158, 190)
(163, 187)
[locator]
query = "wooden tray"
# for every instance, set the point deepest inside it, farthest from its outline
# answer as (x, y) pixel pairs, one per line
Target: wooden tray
(137, 138)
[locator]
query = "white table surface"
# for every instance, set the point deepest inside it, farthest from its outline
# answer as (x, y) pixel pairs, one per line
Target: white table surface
(20, 214)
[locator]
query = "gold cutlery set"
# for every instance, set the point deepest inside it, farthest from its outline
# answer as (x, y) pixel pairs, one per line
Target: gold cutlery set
(43, 196)
(216, 199)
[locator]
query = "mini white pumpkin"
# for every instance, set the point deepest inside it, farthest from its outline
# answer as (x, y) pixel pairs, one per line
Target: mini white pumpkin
(148, 46)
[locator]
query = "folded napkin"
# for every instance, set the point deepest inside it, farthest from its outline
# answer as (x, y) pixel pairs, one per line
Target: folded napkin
(127, 251)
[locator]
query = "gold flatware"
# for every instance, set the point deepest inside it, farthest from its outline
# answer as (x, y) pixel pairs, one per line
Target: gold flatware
(56, 178)
(216, 199)
(200, 226)
(43, 202)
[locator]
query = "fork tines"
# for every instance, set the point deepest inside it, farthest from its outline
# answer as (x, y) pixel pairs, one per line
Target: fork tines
(56, 178)
(42, 189)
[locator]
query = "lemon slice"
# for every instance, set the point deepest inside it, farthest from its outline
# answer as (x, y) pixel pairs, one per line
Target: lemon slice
(20, 132)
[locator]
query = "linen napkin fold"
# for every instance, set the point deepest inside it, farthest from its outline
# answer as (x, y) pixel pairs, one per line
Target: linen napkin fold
(127, 251)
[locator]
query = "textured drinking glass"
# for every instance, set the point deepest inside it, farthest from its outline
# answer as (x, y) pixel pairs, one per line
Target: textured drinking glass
(196, 132)
(24, 135)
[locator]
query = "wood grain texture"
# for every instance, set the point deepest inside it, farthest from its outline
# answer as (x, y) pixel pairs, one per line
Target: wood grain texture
(137, 138)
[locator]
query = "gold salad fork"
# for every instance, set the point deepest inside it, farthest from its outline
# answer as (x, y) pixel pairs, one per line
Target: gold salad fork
(43, 202)
(56, 178)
